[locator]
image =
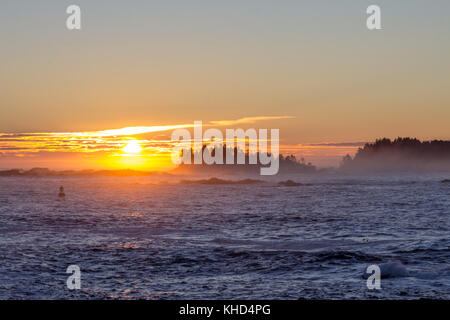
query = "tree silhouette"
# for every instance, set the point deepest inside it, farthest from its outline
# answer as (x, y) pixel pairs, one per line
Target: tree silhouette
(406, 152)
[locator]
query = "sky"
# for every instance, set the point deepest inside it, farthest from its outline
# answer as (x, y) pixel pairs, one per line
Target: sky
(311, 67)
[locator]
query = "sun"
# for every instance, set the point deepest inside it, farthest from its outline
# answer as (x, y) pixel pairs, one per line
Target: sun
(132, 147)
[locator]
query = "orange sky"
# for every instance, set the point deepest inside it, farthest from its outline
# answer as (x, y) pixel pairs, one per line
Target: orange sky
(144, 148)
(168, 63)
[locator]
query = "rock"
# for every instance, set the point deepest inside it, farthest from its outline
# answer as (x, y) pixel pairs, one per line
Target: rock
(289, 183)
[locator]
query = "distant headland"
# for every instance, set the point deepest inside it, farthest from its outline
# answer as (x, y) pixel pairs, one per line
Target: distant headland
(287, 163)
(35, 172)
(383, 155)
(400, 155)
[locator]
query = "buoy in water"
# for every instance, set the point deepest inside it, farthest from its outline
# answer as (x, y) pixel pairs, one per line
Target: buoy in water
(61, 193)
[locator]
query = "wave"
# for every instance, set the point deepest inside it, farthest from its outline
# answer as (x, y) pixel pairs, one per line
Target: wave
(391, 269)
(291, 245)
(221, 181)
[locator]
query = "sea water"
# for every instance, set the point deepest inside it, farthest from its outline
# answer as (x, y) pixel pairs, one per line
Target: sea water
(136, 237)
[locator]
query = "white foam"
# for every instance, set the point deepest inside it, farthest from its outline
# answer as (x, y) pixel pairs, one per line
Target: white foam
(391, 269)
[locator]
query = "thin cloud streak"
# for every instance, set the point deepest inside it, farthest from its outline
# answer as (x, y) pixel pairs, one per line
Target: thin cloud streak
(104, 140)
(249, 120)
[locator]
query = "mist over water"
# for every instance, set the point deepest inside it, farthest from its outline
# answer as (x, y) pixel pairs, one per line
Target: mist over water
(136, 238)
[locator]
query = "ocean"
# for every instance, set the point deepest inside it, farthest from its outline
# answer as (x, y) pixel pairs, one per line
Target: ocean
(141, 238)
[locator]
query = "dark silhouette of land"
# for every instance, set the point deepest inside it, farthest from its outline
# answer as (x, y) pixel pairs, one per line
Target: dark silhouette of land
(290, 183)
(384, 155)
(36, 172)
(401, 154)
(287, 164)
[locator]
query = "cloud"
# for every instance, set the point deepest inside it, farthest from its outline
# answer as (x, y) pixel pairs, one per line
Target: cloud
(103, 140)
(129, 131)
(248, 120)
(338, 144)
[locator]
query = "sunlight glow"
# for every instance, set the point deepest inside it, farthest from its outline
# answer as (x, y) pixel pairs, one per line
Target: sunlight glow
(132, 147)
